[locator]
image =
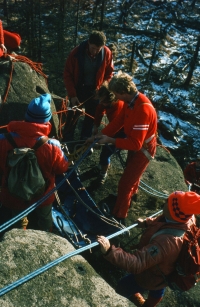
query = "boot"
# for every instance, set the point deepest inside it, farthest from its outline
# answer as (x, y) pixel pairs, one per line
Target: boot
(24, 223)
(152, 301)
(137, 299)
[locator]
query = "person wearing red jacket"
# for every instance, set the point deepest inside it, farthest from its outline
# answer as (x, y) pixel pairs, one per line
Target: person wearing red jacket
(156, 254)
(87, 67)
(139, 120)
(192, 175)
(51, 158)
(8, 40)
(109, 106)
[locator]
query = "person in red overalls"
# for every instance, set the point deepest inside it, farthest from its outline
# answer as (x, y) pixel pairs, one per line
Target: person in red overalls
(8, 40)
(139, 119)
(192, 175)
(111, 107)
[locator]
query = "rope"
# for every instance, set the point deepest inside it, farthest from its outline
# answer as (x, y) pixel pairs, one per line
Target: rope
(34, 65)
(55, 262)
(68, 219)
(35, 205)
(104, 218)
(158, 194)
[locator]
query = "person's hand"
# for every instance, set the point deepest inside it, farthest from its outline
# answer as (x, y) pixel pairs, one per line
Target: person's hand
(74, 101)
(93, 137)
(104, 244)
(3, 47)
(141, 223)
(103, 139)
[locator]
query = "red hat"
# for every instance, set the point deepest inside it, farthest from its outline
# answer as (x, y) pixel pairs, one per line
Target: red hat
(182, 205)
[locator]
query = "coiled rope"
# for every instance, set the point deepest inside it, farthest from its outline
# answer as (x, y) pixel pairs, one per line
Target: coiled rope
(55, 262)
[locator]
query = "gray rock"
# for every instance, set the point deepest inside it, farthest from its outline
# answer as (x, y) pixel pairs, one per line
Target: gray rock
(18, 86)
(71, 283)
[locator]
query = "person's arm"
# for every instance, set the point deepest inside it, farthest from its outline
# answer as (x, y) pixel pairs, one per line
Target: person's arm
(159, 251)
(70, 77)
(109, 66)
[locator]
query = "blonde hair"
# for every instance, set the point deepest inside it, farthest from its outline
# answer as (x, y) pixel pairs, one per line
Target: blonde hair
(122, 83)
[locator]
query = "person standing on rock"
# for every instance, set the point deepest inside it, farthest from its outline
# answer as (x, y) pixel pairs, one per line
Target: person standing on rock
(50, 157)
(87, 67)
(9, 41)
(111, 107)
(156, 254)
(139, 120)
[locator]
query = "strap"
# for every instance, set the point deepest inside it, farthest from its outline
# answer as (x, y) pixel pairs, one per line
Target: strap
(10, 139)
(41, 142)
(171, 231)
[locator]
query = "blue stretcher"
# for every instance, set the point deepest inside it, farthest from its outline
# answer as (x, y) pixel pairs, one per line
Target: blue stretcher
(76, 215)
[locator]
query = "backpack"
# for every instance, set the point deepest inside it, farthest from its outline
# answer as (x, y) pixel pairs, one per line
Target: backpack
(25, 179)
(187, 272)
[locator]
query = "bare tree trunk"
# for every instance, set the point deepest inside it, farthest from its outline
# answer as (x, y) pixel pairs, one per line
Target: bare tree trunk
(192, 64)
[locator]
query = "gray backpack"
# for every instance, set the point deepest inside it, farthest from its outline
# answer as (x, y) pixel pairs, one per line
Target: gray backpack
(25, 179)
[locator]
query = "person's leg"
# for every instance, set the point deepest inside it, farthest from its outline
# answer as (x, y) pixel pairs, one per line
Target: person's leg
(70, 125)
(128, 184)
(154, 297)
(88, 122)
(45, 221)
(128, 288)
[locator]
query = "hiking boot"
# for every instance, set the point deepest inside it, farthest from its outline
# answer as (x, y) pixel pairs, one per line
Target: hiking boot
(137, 299)
(24, 222)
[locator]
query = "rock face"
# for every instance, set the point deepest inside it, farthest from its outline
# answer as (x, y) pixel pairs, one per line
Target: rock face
(71, 283)
(19, 84)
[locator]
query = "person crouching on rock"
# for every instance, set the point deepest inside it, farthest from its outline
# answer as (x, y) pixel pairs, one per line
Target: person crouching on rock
(9, 41)
(156, 256)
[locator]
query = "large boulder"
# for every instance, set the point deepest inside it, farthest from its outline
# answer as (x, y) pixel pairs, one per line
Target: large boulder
(19, 84)
(71, 283)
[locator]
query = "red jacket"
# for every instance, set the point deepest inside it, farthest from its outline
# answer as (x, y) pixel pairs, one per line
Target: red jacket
(139, 122)
(1, 33)
(152, 258)
(50, 157)
(1, 38)
(74, 68)
(111, 112)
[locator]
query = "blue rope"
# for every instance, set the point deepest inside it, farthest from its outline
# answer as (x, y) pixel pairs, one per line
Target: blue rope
(35, 205)
(163, 194)
(156, 195)
(159, 194)
(62, 258)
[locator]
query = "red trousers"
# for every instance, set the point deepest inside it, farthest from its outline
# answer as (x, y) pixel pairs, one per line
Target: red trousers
(11, 41)
(137, 162)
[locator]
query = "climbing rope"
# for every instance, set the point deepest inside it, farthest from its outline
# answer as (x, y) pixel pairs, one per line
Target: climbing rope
(55, 262)
(154, 193)
(20, 58)
(112, 222)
